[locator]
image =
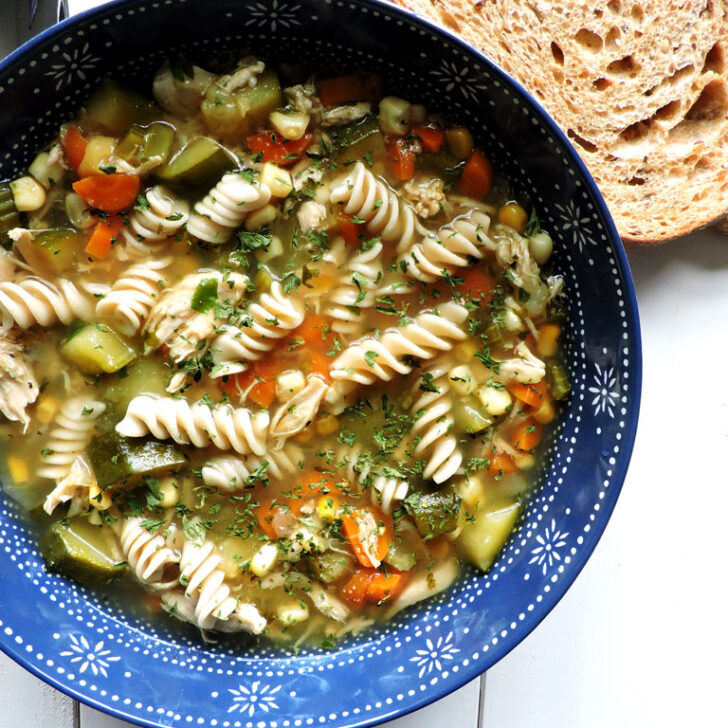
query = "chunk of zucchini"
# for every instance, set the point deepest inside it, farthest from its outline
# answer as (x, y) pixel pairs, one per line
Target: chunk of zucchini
(434, 514)
(331, 566)
(144, 376)
(485, 533)
(116, 459)
(114, 109)
(9, 216)
(97, 349)
(201, 162)
(52, 250)
(470, 416)
(84, 552)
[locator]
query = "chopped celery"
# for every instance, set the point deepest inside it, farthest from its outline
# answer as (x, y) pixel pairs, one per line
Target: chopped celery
(87, 553)
(434, 514)
(144, 376)
(97, 349)
(232, 116)
(53, 250)
(201, 162)
(158, 140)
(116, 459)
(558, 379)
(485, 533)
(114, 108)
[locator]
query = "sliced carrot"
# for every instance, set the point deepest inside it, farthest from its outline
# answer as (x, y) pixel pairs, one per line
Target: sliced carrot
(103, 236)
(260, 380)
(477, 283)
(264, 513)
(432, 139)
(350, 230)
(402, 159)
(353, 87)
(318, 363)
(530, 394)
(355, 589)
(315, 332)
(274, 148)
(383, 587)
(108, 192)
(309, 484)
(500, 463)
(477, 177)
(351, 526)
(74, 145)
(526, 435)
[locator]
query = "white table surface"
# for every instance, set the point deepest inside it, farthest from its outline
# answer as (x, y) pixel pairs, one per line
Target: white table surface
(641, 638)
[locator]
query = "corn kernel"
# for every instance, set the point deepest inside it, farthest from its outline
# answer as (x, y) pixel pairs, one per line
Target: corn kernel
(261, 217)
(328, 507)
(465, 351)
(278, 179)
(264, 560)
(46, 409)
(19, 471)
(98, 498)
(327, 425)
(495, 401)
(548, 340)
(546, 412)
(305, 435)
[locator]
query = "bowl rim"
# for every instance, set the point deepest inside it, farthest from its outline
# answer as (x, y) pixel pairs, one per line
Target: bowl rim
(480, 666)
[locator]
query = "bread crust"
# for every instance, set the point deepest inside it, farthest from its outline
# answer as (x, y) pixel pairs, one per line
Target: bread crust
(660, 68)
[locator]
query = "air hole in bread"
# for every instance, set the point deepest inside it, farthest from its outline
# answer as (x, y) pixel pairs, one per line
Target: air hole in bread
(668, 111)
(614, 6)
(637, 13)
(449, 19)
(557, 53)
(602, 84)
(711, 104)
(715, 59)
(589, 40)
(612, 38)
(674, 80)
(624, 66)
(585, 144)
(636, 181)
(635, 132)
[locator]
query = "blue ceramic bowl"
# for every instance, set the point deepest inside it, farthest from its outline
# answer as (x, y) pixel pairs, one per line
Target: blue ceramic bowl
(127, 666)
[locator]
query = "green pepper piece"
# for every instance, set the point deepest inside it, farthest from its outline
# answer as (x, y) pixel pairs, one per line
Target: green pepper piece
(116, 459)
(434, 514)
(84, 552)
(205, 296)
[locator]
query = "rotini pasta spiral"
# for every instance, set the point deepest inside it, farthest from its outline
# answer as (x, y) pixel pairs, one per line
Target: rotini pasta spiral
(452, 246)
(153, 224)
(205, 583)
(153, 560)
(433, 423)
(71, 432)
(386, 492)
(361, 292)
(133, 294)
(229, 473)
(372, 200)
(381, 358)
(33, 300)
(224, 208)
(268, 319)
(196, 424)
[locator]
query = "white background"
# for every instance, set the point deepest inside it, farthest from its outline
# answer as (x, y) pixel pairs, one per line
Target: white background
(641, 639)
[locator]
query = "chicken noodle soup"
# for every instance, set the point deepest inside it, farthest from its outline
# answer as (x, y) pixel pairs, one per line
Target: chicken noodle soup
(281, 353)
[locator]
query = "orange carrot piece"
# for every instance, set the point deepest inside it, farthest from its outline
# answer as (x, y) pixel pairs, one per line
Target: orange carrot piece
(351, 525)
(108, 192)
(354, 87)
(501, 463)
(477, 177)
(526, 435)
(315, 332)
(355, 589)
(74, 144)
(350, 230)
(432, 139)
(530, 394)
(382, 587)
(477, 284)
(103, 236)
(402, 159)
(264, 513)
(309, 484)
(277, 149)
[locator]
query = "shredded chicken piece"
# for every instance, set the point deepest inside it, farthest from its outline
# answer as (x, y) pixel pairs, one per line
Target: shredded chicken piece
(524, 367)
(124, 167)
(311, 216)
(56, 156)
(293, 416)
(181, 97)
(18, 386)
(339, 115)
(244, 76)
(329, 605)
(74, 487)
(427, 197)
(303, 97)
(8, 264)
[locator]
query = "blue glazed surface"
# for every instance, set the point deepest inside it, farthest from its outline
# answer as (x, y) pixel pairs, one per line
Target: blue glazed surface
(144, 673)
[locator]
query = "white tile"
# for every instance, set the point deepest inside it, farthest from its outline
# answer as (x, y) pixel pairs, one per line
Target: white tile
(26, 702)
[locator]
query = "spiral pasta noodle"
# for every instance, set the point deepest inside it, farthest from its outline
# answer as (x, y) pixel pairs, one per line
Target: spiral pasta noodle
(452, 246)
(151, 558)
(133, 294)
(386, 492)
(268, 319)
(151, 225)
(426, 335)
(372, 200)
(433, 424)
(224, 427)
(224, 208)
(32, 300)
(71, 432)
(204, 583)
(229, 473)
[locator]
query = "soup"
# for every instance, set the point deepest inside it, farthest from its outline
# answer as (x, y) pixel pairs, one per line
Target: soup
(276, 358)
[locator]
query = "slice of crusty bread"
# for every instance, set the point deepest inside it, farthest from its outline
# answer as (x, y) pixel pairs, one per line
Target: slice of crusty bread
(640, 87)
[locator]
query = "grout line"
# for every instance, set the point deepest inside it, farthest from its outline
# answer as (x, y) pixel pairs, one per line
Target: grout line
(481, 702)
